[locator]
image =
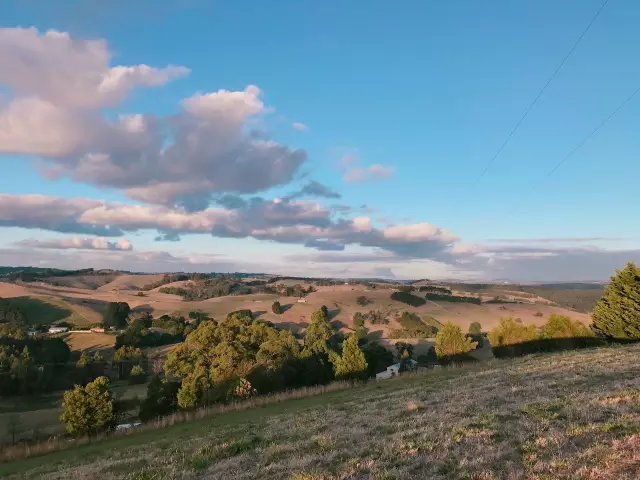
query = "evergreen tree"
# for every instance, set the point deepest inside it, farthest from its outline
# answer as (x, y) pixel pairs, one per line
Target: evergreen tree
(352, 364)
(87, 410)
(318, 332)
(450, 341)
(617, 313)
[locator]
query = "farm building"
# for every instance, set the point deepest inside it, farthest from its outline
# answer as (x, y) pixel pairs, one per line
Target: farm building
(394, 370)
(58, 329)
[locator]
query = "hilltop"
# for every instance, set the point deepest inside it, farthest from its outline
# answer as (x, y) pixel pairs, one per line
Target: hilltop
(569, 415)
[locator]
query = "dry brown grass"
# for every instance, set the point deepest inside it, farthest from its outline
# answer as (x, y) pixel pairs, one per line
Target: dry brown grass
(537, 417)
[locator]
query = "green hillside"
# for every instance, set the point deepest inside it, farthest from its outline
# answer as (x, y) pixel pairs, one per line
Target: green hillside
(569, 415)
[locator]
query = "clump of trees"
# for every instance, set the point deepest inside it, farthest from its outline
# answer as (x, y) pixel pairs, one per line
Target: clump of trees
(408, 298)
(452, 298)
(296, 290)
(126, 358)
(435, 289)
(617, 314)
(240, 356)
(10, 314)
(413, 327)
(89, 409)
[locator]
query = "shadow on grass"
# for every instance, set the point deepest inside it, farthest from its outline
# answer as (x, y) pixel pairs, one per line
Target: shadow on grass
(38, 311)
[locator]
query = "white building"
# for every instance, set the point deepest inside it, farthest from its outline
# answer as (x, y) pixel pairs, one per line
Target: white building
(58, 329)
(394, 370)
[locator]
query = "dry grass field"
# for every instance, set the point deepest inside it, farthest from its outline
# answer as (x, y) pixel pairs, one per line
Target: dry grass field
(572, 415)
(44, 303)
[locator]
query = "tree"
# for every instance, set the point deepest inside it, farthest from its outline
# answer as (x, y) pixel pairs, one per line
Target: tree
(126, 358)
(451, 342)
(276, 308)
(475, 328)
(378, 358)
(562, 326)
(88, 410)
(402, 347)
(161, 399)
(509, 331)
(116, 315)
(617, 313)
(325, 310)
(352, 364)
(358, 319)
(90, 366)
(318, 333)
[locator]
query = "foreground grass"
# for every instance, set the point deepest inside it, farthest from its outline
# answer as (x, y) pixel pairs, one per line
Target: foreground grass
(572, 415)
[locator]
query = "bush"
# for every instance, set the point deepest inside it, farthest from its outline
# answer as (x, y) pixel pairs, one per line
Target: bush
(475, 328)
(376, 317)
(509, 332)
(362, 300)
(137, 375)
(561, 326)
(408, 298)
(358, 319)
(276, 308)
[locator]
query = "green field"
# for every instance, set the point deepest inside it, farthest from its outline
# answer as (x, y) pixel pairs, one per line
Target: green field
(568, 415)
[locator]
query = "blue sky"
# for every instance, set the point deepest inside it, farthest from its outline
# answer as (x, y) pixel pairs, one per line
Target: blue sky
(426, 91)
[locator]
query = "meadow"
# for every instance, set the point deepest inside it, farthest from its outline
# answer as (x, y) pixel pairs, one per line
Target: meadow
(565, 415)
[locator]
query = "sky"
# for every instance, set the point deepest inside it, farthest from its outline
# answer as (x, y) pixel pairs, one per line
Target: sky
(332, 138)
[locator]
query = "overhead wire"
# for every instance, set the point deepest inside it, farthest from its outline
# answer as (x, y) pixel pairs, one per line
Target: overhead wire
(544, 88)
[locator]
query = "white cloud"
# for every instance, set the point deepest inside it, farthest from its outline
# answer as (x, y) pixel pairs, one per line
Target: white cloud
(69, 72)
(301, 127)
(77, 243)
(354, 172)
(183, 159)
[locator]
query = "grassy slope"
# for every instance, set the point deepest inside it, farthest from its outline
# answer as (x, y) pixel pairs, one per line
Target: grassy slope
(571, 415)
(48, 310)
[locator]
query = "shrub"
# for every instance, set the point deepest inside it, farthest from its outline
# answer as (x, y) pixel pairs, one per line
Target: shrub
(561, 326)
(358, 319)
(475, 328)
(276, 308)
(617, 313)
(538, 314)
(408, 298)
(362, 300)
(452, 343)
(509, 331)
(376, 317)
(137, 375)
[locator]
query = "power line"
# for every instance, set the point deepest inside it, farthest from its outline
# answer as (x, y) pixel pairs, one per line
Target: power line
(594, 131)
(526, 113)
(587, 138)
